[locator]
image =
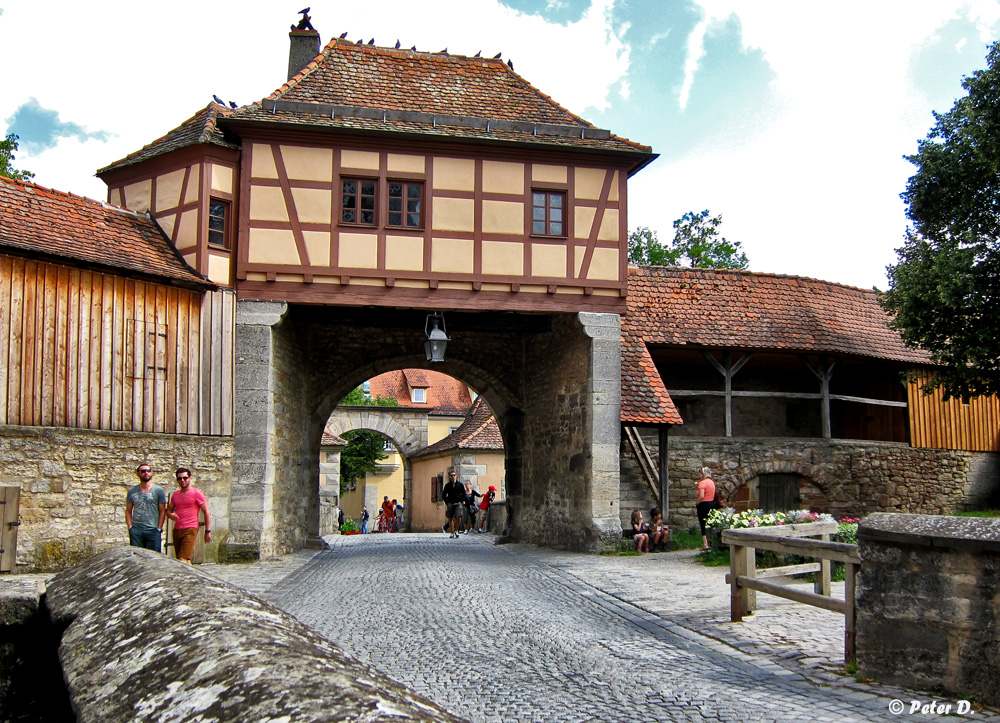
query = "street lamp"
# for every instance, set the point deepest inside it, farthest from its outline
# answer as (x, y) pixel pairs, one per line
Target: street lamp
(437, 339)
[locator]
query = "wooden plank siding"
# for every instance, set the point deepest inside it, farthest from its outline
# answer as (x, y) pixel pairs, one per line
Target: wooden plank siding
(935, 423)
(85, 349)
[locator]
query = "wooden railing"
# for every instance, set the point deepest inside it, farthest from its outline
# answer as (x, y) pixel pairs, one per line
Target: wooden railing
(746, 580)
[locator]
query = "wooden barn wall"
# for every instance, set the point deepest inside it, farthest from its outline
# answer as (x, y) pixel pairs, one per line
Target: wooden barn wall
(97, 351)
(935, 423)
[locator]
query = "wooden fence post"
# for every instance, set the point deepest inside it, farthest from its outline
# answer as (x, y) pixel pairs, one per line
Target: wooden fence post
(821, 586)
(743, 600)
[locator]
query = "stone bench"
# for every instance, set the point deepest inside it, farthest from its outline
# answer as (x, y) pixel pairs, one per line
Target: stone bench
(148, 638)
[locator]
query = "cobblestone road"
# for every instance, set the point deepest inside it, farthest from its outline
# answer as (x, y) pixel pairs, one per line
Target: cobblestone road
(517, 633)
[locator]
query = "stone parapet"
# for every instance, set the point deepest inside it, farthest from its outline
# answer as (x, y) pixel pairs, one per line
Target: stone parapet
(130, 651)
(926, 603)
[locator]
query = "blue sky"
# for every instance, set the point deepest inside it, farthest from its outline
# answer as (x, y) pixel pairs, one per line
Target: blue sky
(789, 118)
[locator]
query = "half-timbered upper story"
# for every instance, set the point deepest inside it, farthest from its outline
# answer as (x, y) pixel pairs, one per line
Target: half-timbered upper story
(381, 176)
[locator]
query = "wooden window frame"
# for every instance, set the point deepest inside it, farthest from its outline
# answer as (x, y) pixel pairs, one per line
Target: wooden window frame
(227, 223)
(358, 196)
(548, 208)
(404, 212)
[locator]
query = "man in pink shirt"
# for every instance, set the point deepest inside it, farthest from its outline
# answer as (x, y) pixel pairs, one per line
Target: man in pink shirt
(183, 509)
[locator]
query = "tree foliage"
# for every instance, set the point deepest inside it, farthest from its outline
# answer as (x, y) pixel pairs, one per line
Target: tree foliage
(944, 287)
(697, 243)
(7, 148)
(364, 448)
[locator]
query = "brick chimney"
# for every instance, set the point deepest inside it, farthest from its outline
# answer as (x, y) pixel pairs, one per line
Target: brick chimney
(303, 46)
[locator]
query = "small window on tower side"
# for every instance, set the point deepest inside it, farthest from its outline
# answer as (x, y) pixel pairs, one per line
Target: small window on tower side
(219, 215)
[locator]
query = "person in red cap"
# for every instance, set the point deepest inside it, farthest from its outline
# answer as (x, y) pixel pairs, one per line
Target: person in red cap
(484, 509)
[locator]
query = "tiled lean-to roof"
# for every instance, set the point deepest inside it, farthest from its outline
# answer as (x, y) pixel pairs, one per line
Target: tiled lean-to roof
(53, 225)
(753, 311)
(371, 88)
(202, 127)
(645, 399)
(478, 431)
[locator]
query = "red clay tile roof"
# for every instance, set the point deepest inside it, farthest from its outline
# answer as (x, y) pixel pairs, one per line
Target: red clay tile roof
(332, 440)
(645, 399)
(478, 431)
(445, 395)
(202, 127)
(41, 222)
(753, 311)
(402, 83)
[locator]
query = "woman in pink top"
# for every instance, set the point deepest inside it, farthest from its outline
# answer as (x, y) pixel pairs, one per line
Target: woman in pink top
(706, 501)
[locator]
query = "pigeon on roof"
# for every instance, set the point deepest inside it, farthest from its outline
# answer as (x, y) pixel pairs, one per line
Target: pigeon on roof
(218, 100)
(305, 23)
(478, 55)
(510, 64)
(344, 35)
(233, 105)
(497, 56)
(397, 44)
(372, 41)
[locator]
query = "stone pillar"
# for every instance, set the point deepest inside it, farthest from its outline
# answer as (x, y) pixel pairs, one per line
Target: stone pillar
(252, 507)
(562, 467)
(605, 429)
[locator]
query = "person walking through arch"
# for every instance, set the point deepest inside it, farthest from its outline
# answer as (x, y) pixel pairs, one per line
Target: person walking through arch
(453, 495)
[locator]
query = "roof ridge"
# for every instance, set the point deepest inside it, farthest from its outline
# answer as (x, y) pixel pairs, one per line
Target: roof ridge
(743, 272)
(69, 195)
(204, 136)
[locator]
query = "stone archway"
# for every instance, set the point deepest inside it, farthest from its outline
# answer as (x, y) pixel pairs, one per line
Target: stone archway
(552, 382)
(405, 427)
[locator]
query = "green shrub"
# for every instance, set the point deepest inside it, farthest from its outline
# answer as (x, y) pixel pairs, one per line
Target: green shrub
(349, 525)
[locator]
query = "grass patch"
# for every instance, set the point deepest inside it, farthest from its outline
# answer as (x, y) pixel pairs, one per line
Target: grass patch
(978, 513)
(685, 539)
(714, 558)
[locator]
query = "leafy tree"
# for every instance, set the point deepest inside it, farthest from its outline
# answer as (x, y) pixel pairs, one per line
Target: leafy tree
(696, 243)
(362, 454)
(7, 148)
(944, 287)
(364, 448)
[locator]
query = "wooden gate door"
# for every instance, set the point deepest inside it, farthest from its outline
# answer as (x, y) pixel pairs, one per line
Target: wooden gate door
(10, 498)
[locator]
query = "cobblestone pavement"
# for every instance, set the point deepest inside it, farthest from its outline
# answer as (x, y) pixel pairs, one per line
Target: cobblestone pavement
(519, 633)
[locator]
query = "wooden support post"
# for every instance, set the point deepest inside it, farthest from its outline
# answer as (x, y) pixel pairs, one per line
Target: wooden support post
(850, 580)
(821, 586)
(662, 460)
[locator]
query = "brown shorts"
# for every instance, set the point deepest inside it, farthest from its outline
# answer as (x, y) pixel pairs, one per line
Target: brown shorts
(184, 542)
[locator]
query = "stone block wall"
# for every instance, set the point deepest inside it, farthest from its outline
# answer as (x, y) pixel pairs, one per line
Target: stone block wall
(572, 398)
(927, 614)
(857, 478)
(74, 481)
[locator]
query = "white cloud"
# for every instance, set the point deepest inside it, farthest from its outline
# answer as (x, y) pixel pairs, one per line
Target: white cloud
(139, 69)
(816, 192)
